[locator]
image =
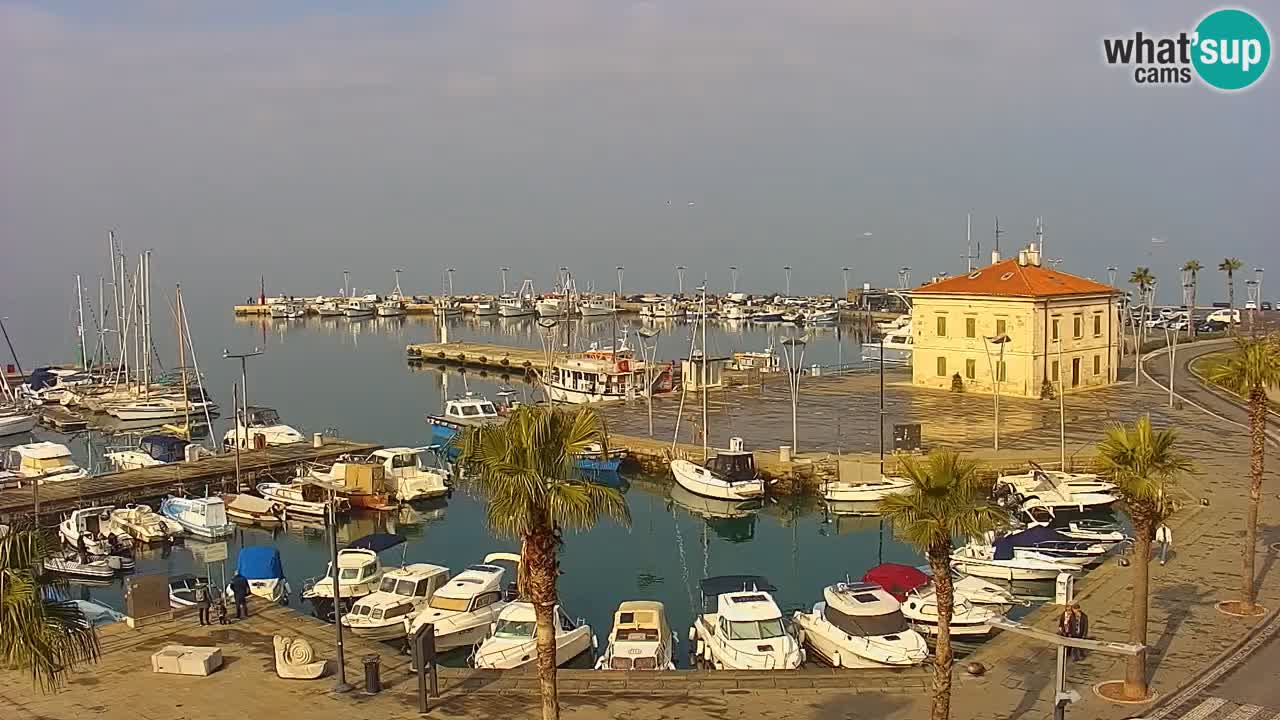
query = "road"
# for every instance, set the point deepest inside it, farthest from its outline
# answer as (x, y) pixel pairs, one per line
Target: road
(1242, 687)
(1187, 388)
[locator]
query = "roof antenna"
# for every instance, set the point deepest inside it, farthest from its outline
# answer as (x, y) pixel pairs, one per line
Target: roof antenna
(1040, 234)
(995, 254)
(968, 242)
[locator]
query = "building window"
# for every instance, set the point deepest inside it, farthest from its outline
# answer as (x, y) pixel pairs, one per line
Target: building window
(1055, 329)
(1097, 364)
(942, 366)
(942, 326)
(1077, 327)
(1053, 371)
(970, 327)
(970, 368)
(1097, 325)
(1000, 373)
(999, 328)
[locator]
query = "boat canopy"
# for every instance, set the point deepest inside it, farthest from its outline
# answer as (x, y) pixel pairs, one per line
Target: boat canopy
(1027, 538)
(165, 448)
(733, 466)
(41, 378)
(897, 580)
(377, 542)
(888, 623)
(259, 562)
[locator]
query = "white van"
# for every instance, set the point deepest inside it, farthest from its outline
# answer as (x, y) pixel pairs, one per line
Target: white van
(1224, 315)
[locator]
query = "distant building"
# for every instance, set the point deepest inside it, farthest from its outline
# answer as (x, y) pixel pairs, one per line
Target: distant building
(1055, 325)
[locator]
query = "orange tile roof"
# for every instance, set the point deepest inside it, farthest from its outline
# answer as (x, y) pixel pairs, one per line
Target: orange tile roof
(1009, 279)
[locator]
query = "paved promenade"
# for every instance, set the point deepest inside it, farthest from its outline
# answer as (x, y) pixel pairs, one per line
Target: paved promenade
(1186, 631)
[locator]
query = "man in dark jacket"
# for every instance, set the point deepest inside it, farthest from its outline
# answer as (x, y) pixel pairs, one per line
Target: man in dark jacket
(203, 601)
(240, 591)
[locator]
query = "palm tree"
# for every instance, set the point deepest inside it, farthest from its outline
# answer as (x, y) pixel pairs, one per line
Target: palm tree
(1142, 277)
(41, 630)
(526, 469)
(1230, 266)
(946, 500)
(1252, 368)
(1193, 267)
(1144, 464)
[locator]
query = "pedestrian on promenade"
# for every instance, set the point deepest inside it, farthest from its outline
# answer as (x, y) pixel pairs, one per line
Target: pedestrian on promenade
(222, 610)
(203, 601)
(240, 591)
(1079, 629)
(1066, 625)
(1164, 536)
(82, 549)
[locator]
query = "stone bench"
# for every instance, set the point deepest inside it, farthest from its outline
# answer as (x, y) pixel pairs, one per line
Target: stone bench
(186, 660)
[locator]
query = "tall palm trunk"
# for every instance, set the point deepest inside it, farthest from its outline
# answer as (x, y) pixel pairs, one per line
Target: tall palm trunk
(542, 570)
(1257, 450)
(1231, 303)
(1191, 311)
(943, 658)
(1135, 675)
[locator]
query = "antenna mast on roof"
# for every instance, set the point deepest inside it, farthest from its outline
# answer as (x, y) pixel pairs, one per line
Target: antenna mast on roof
(995, 254)
(969, 255)
(1040, 234)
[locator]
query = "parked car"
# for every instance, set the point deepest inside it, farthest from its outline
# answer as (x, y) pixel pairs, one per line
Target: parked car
(1224, 315)
(1211, 326)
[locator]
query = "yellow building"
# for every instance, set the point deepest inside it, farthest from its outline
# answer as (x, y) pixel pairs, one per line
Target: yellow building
(1016, 322)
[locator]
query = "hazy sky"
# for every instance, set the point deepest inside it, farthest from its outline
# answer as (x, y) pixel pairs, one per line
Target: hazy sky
(306, 138)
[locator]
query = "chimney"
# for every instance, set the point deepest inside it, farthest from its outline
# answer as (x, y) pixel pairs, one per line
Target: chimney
(1033, 255)
(1024, 257)
(995, 256)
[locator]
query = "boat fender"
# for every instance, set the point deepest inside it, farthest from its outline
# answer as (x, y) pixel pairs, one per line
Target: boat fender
(693, 633)
(594, 644)
(835, 660)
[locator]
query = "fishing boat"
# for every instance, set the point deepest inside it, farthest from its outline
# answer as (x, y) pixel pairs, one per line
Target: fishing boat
(302, 498)
(860, 625)
(640, 638)
(359, 574)
(330, 308)
(554, 306)
(413, 473)
(391, 307)
(519, 305)
(469, 410)
(597, 307)
(666, 308)
(92, 526)
(151, 450)
(511, 644)
(42, 462)
(144, 525)
(463, 610)
(741, 628)
(287, 310)
(359, 308)
(598, 376)
(261, 566)
(264, 422)
(728, 475)
(485, 308)
(203, 517)
(401, 594)
(363, 484)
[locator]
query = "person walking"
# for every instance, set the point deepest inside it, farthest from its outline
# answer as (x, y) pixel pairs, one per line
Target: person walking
(1066, 626)
(203, 601)
(1164, 536)
(240, 591)
(1079, 629)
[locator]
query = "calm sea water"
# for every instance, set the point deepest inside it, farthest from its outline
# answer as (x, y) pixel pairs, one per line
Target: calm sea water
(353, 377)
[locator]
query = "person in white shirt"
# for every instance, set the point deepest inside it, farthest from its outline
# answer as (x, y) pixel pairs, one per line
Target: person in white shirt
(1164, 536)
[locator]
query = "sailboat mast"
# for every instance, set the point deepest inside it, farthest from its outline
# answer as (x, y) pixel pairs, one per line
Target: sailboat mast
(146, 311)
(704, 372)
(182, 358)
(101, 350)
(84, 353)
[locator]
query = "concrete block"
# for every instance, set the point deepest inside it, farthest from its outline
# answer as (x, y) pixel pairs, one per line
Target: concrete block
(166, 660)
(186, 660)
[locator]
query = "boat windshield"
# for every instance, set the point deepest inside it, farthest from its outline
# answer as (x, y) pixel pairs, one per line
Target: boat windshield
(360, 611)
(756, 629)
(388, 585)
(263, 417)
(440, 602)
(349, 573)
(514, 629)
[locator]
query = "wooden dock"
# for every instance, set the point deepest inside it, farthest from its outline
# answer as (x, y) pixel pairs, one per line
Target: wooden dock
(208, 475)
(61, 419)
(477, 355)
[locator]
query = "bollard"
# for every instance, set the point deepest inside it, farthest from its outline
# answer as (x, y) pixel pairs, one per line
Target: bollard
(372, 675)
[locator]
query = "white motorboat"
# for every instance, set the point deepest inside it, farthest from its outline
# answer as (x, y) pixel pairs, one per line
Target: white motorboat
(68, 563)
(42, 462)
(93, 525)
(1001, 562)
(14, 421)
(203, 517)
(1094, 531)
(301, 498)
(413, 473)
(554, 307)
(967, 619)
(741, 627)
(640, 639)
(359, 574)
(392, 307)
(864, 492)
(976, 590)
(897, 346)
(462, 412)
(728, 475)
(511, 643)
(712, 508)
(821, 316)
(287, 310)
(859, 625)
(359, 308)
(55, 385)
(666, 308)
(735, 312)
(401, 594)
(1048, 541)
(154, 410)
(151, 450)
(330, 308)
(486, 308)
(597, 308)
(261, 566)
(264, 422)
(251, 508)
(182, 590)
(145, 526)
(896, 323)
(1054, 491)
(463, 609)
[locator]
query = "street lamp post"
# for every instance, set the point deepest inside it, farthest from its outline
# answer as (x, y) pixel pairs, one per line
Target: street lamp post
(649, 353)
(997, 373)
(1171, 343)
(845, 272)
(504, 270)
(787, 269)
(733, 277)
(244, 391)
(680, 279)
(794, 368)
(620, 268)
(450, 271)
(341, 685)
(548, 348)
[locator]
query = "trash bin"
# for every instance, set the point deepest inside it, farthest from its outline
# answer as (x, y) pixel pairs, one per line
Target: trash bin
(372, 674)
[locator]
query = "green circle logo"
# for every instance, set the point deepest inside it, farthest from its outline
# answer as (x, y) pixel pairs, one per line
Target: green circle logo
(1232, 49)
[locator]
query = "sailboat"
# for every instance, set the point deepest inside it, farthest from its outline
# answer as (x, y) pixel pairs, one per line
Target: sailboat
(730, 474)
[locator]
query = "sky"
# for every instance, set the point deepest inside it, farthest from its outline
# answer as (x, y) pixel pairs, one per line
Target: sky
(295, 140)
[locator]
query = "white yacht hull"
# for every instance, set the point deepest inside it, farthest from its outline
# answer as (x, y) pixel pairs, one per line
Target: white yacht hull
(697, 479)
(393, 631)
(292, 506)
(511, 311)
(16, 424)
(486, 311)
(502, 654)
(1010, 570)
(390, 311)
(839, 650)
(566, 395)
(861, 492)
(892, 355)
(147, 411)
